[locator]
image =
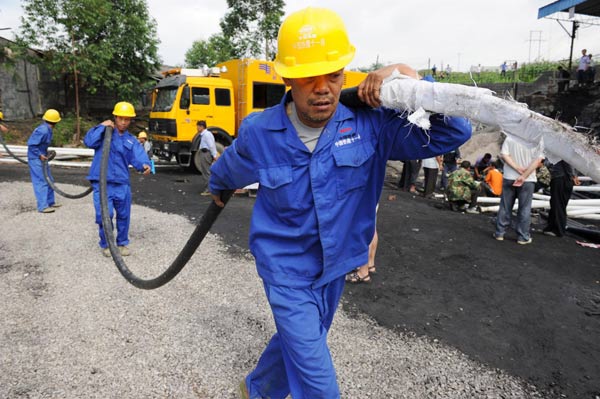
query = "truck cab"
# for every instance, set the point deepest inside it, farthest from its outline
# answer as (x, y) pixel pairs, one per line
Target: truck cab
(222, 96)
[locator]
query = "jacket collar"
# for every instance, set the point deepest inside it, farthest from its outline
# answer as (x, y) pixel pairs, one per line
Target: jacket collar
(281, 122)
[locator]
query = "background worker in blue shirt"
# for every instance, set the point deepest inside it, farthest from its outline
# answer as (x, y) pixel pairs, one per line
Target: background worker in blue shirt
(125, 150)
(37, 151)
(321, 168)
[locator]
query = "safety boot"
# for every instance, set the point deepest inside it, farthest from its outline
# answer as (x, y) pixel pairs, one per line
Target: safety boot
(244, 394)
(124, 250)
(47, 210)
(106, 252)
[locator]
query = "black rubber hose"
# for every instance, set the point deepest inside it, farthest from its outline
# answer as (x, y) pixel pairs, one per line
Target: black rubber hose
(204, 225)
(592, 235)
(349, 97)
(46, 168)
(9, 152)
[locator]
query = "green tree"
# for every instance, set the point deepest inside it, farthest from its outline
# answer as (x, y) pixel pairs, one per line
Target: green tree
(209, 52)
(98, 43)
(252, 26)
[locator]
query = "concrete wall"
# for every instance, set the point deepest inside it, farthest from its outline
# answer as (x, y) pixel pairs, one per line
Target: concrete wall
(26, 90)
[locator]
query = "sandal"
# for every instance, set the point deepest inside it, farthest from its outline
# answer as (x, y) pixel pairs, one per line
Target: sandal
(354, 278)
(372, 270)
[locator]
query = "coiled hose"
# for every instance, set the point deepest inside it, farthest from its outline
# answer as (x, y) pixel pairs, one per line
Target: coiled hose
(204, 225)
(9, 152)
(46, 168)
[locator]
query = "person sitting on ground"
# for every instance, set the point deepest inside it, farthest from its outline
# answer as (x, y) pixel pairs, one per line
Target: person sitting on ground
(481, 164)
(463, 189)
(542, 174)
(492, 184)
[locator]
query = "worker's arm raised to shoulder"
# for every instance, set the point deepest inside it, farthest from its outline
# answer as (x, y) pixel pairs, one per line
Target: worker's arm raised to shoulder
(368, 90)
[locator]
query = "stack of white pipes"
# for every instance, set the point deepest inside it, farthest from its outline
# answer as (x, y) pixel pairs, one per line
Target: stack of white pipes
(577, 208)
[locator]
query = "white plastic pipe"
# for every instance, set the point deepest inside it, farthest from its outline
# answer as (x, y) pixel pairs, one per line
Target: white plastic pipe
(587, 188)
(589, 217)
(561, 141)
(582, 211)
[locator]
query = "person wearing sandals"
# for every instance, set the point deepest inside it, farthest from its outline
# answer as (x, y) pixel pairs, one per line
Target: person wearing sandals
(320, 166)
(363, 274)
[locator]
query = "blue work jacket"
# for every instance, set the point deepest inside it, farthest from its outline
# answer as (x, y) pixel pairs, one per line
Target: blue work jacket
(125, 150)
(39, 141)
(314, 215)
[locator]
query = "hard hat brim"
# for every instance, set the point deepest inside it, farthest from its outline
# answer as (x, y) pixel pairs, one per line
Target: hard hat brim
(313, 69)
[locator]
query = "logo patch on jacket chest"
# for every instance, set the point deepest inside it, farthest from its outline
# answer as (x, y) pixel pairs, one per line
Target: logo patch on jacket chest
(347, 136)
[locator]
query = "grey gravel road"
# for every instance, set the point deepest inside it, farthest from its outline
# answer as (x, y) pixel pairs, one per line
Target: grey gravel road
(72, 327)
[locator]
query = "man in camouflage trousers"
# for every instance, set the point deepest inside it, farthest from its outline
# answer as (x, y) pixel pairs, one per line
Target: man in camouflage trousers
(463, 189)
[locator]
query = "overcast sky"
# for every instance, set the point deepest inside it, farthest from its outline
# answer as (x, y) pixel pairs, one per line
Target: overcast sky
(461, 33)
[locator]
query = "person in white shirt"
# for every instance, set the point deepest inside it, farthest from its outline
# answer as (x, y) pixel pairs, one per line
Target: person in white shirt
(584, 64)
(208, 152)
(520, 163)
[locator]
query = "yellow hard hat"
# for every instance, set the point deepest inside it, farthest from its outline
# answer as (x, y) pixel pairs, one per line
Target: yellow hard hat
(142, 135)
(51, 115)
(1, 116)
(312, 42)
(124, 108)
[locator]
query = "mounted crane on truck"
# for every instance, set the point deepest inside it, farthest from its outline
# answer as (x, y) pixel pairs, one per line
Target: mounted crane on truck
(222, 96)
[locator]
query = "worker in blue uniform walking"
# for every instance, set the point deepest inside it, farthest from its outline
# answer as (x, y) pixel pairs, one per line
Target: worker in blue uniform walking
(321, 168)
(125, 150)
(37, 152)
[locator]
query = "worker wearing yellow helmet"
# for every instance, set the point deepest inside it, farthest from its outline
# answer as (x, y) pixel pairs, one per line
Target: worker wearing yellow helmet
(125, 150)
(320, 167)
(143, 139)
(37, 152)
(3, 127)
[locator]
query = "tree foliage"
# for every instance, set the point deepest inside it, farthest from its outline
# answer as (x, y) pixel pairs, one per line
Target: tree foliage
(209, 52)
(252, 26)
(111, 44)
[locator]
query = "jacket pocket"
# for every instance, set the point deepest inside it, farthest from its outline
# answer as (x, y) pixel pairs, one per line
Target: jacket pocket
(353, 167)
(275, 185)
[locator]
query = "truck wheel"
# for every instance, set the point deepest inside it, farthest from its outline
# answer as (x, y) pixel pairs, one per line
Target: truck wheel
(195, 165)
(220, 148)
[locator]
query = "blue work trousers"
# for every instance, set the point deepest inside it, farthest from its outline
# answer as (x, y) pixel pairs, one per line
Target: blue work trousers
(44, 194)
(119, 200)
(297, 359)
(507, 201)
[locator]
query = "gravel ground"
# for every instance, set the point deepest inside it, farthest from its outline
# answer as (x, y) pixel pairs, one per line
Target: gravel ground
(72, 327)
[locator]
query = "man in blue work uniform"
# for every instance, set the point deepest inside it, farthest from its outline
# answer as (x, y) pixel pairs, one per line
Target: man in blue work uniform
(37, 152)
(321, 168)
(125, 150)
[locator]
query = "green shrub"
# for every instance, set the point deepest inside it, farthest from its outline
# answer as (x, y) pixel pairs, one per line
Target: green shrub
(64, 131)
(525, 73)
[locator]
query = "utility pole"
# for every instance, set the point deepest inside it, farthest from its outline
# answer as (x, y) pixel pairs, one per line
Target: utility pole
(539, 40)
(575, 26)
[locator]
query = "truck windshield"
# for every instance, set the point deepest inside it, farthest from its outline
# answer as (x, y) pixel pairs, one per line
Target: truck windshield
(165, 99)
